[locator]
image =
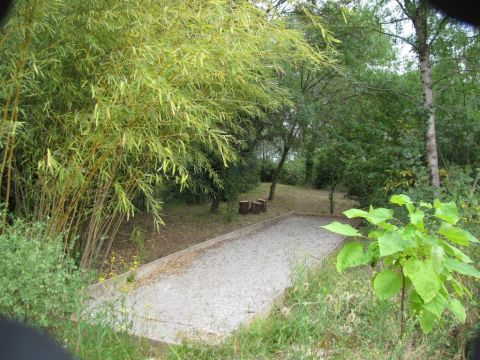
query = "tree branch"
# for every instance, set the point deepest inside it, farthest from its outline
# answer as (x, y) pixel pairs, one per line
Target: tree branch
(394, 21)
(404, 39)
(439, 29)
(404, 9)
(458, 72)
(316, 81)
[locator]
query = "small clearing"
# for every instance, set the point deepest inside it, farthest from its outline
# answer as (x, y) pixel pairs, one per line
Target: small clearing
(190, 224)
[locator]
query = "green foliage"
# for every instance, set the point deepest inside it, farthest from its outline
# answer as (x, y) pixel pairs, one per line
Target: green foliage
(329, 167)
(387, 283)
(352, 254)
(39, 283)
(293, 172)
(239, 179)
(137, 99)
(236, 179)
(267, 167)
(420, 258)
(342, 229)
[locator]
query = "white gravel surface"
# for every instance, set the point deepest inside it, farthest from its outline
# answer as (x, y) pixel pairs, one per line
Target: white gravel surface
(226, 285)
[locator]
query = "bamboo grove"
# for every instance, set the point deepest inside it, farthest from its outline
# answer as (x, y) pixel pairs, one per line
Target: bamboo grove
(103, 101)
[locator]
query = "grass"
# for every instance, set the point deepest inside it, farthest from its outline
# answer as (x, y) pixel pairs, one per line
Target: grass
(101, 342)
(103, 337)
(331, 316)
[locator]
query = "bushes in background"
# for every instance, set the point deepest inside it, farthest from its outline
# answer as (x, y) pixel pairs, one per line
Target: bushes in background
(240, 179)
(293, 172)
(235, 179)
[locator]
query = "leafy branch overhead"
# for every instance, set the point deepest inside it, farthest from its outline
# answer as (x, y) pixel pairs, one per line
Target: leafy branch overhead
(422, 260)
(136, 100)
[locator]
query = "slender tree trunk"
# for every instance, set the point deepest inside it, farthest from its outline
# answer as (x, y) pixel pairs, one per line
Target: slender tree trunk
(218, 192)
(215, 203)
(276, 173)
(419, 19)
(308, 169)
(428, 104)
(331, 198)
(402, 307)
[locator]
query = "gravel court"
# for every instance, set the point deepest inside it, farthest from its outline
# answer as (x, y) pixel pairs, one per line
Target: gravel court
(224, 286)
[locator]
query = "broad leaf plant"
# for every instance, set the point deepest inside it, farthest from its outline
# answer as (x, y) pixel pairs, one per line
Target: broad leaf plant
(421, 261)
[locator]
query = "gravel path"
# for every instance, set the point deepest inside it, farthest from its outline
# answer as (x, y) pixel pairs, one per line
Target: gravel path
(223, 287)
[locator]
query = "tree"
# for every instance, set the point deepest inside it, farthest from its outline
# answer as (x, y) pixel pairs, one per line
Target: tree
(135, 100)
(286, 127)
(428, 26)
(418, 13)
(293, 123)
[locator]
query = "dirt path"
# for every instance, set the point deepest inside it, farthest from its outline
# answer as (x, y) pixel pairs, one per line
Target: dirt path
(222, 287)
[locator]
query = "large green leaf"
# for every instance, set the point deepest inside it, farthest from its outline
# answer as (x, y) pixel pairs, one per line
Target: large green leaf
(355, 213)
(387, 226)
(400, 199)
(387, 284)
(427, 239)
(351, 255)
(452, 250)
(437, 304)
(416, 215)
(425, 205)
(423, 276)
(393, 242)
(457, 309)
(342, 229)
(376, 216)
(427, 320)
(457, 287)
(456, 235)
(373, 251)
(437, 254)
(461, 267)
(446, 211)
(415, 303)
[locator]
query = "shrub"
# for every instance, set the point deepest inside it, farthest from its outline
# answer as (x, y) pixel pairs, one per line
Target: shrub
(293, 172)
(422, 259)
(267, 167)
(39, 283)
(240, 178)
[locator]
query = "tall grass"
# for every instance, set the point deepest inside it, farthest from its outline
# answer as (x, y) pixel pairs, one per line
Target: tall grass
(332, 316)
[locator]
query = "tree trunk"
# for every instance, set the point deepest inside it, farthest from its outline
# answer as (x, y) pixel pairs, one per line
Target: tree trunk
(277, 173)
(420, 22)
(256, 208)
(331, 198)
(264, 204)
(244, 207)
(308, 169)
(428, 104)
(215, 203)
